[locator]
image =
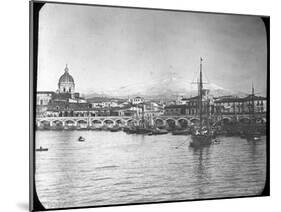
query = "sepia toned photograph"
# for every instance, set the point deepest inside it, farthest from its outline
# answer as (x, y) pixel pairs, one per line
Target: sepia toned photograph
(135, 106)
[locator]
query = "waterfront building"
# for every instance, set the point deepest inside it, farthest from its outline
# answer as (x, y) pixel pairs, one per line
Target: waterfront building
(122, 111)
(182, 100)
(238, 105)
(175, 110)
(136, 100)
(225, 105)
(103, 102)
(43, 98)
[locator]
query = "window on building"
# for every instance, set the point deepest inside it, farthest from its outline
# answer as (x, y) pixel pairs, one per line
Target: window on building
(63, 89)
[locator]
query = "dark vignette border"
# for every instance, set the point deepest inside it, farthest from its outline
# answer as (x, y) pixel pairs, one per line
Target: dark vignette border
(34, 9)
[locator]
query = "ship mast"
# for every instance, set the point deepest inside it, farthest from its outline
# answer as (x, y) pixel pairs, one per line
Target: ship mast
(200, 93)
(142, 115)
(253, 102)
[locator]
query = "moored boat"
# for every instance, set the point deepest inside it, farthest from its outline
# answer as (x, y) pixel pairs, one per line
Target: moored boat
(158, 131)
(200, 140)
(181, 132)
(130, 130)
(115, 129)
(142, 130)
(253, 138)
(251, 132)
(41, 149)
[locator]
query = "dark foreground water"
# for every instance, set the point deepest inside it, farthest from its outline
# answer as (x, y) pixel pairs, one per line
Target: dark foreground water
(116, 168)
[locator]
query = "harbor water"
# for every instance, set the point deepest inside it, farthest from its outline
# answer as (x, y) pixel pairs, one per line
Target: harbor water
(117, 168)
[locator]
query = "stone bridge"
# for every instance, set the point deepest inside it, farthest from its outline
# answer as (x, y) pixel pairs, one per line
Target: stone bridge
(127, 120)
(113, 120)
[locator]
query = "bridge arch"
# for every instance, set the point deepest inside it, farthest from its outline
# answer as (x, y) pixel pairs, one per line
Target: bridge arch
(70, 122)
(182, 122)
(44, 123)
(56, 123)
(108, 122)
(82, 123)
(159, 122)
(171, 122)
(96, 121)
(226, 120)
(145, 122)
(244, 120)
(194, 121)
(119, 121)
(259, 120)
(131, 122)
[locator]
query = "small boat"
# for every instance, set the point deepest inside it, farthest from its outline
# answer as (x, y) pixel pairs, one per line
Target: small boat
(142, 130)
(216, 141)
(114, 129)
(130, 130)
(181, 132)
(81, 139)
(251, 132)
(41, 149)
(253, 138)
(158, 131)
(251, 135)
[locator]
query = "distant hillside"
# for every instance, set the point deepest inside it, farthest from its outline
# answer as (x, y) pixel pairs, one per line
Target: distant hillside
(103, 99)
(162, 89)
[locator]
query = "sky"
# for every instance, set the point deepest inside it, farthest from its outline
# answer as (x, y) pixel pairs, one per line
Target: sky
(108, 48)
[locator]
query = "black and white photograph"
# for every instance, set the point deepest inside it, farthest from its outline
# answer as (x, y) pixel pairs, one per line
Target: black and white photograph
(138, 105)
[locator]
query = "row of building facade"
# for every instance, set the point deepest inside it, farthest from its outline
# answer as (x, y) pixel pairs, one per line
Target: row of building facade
(220, 105)
(66, 102)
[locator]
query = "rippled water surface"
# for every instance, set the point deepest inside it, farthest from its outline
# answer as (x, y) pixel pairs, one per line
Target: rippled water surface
(116, 168)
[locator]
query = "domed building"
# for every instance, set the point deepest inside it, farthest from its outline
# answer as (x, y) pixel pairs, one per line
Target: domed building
(65, 101)
(66, 82)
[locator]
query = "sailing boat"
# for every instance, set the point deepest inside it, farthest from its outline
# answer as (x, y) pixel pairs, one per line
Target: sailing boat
(143, 129)
(202, 136)
(251, 133)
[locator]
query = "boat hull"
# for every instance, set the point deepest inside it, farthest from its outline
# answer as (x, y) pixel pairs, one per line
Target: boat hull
(200, 140)
(42, 150)
(181, 132)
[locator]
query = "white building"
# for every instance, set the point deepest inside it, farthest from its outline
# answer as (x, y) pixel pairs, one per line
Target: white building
(43, 97)
(136, 100)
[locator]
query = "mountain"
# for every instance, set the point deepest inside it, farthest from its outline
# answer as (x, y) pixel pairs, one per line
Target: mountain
(167, 88)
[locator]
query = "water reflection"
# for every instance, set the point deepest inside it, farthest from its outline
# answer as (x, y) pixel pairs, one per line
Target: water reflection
(200, 162)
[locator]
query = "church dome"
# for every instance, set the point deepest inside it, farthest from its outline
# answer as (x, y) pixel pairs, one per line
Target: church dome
(66, 77)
